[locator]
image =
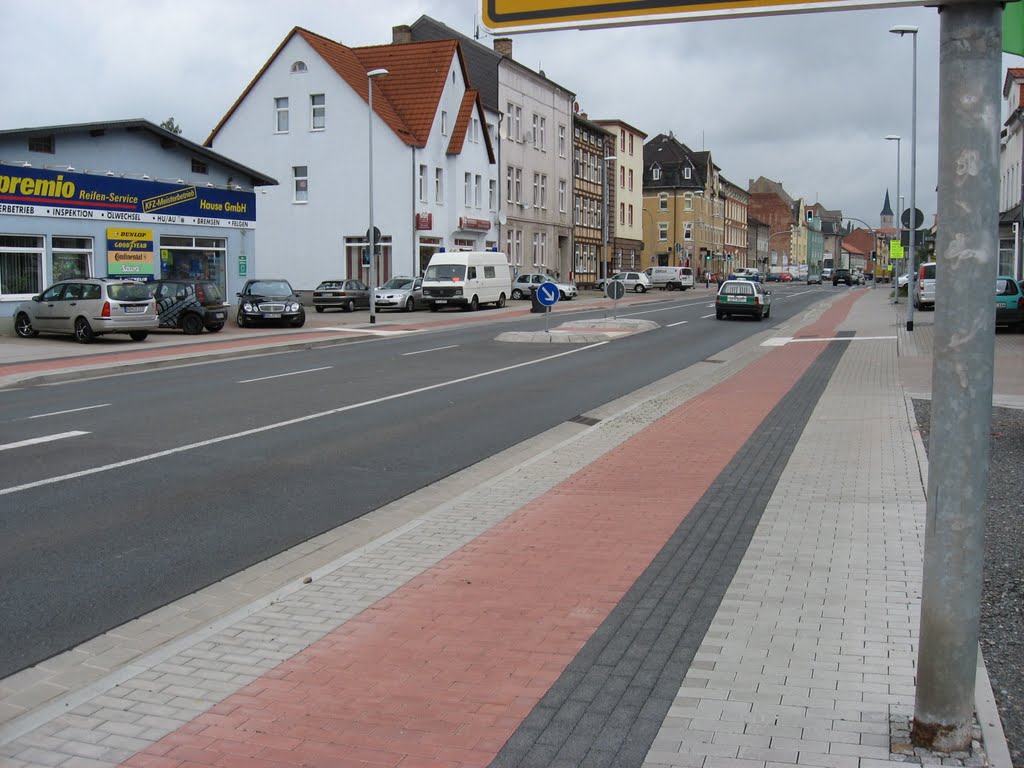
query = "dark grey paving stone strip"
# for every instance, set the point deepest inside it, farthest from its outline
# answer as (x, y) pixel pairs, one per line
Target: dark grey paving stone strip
(609, 703)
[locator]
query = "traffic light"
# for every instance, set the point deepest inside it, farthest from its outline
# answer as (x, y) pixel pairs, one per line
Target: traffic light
(874, 256)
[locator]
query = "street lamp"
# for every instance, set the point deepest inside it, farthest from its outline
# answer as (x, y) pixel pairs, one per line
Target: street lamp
(899, 227)
(901, 30)
(371, 233)
(604, 222)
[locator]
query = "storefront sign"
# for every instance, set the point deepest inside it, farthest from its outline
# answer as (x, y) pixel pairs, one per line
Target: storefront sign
(71, 195)
(130, 253)
(466, 222)
(424, 221)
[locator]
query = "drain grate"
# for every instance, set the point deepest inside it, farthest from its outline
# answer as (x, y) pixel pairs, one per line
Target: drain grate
(587, 421)
(712, 360)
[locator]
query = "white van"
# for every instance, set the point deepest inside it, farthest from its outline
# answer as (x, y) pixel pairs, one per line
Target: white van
(467, 279)
(924, 288)
(670, 278)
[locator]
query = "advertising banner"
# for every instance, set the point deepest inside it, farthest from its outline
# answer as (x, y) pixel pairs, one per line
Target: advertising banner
(68, 194)
(130, 253)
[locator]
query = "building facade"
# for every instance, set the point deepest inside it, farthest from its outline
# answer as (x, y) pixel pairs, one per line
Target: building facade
(594, 200)
(626, 225)
(736, 202)
(770, 204)
(121, 199)
(1011, 176)
(306, 114)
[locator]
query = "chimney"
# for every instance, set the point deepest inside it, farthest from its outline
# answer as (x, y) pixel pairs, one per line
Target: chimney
(583, 115)
(401, 34)
(503, 45)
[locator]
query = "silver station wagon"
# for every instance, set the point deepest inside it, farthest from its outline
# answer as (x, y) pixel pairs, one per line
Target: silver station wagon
(89, 307)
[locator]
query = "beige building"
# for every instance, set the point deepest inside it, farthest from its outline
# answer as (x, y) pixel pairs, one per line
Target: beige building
(736, 201)
(592, 200)
(625, 217)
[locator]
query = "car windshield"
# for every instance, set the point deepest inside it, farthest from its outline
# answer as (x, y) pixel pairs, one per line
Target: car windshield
(453, 272)
(271, 288)
(331, 285)
(738, 288)
(211, 291)
(398, 282)
(129, 292)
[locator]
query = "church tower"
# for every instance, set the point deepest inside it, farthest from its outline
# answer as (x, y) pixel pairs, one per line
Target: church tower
(887, 217)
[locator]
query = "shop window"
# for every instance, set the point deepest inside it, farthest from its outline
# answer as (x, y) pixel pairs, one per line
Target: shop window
(21, 258)
(193, 258)
(70, 257)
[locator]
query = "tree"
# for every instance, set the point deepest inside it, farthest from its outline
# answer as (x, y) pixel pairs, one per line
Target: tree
(170, 125)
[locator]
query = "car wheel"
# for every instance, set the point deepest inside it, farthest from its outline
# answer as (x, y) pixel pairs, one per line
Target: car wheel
(768, 312)
(23, 326)
(191, 324)
(638, 288)
(319, 309)
(240, 319)
(83, 331)
(214, 328)
(718, 315)
(501, 301)
(138, 335)
(409, 304)
(299, 321)
(517, 294)
(433, 307)
(350, 306)
(474, 304)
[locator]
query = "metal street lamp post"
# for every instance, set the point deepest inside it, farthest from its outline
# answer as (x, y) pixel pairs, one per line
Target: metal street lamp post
(604, 223)
(371, 232)
(901, 30)
(899, 227)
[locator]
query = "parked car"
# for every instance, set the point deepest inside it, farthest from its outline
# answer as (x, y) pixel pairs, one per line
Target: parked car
(743, 297)
(405, 293)
(785, 277)
(269, 301)
(89, 307)
(814, 279)
(1009, 302)
(670, 278)
(633, 281)
(341, 294)
(924, 287)
(841, 275)
(190, 305)
(525, 283)
(773, 277)
(826, 273)
(467, 279)
(902, 280)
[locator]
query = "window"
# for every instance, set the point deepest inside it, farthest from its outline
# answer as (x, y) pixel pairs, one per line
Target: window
(444, 122)
(519, 185)
(519, 123)
(536, 190)
(631, 144)
(508, 243)
(21, 258)
(318, 111)
(622, 141)
(477, 190)
(663, 201)
(439, 186)
(655, 173)
(300, 173)
(281, 114)
(474, 130)
(41, 144)
(631, 215)
(688, 231)
(577, 216)
(543, 134)
(536, 249)
(193, 257)
(519, 246)
(561, 141)
(467, 189)
(423, 183)
(198, 166)
(544, 191)
(561, 195)
(622, 177)
(299, 67)
(543, 248)
(509, 176)
(577, 166)
(688, 201)
(687, 172)
(630, 179)
(535, 133)
(70, 257)
(492, 194)
(663, 231)
(622, 213)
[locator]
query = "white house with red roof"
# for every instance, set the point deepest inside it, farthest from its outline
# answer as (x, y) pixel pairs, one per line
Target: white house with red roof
(305, 118)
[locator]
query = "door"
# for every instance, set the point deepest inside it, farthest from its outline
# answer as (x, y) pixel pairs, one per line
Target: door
(47, 308)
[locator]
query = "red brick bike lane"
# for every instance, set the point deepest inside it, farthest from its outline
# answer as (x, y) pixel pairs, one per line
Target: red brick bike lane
(442, 672)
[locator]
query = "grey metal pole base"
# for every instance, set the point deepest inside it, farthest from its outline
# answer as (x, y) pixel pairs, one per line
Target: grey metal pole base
(373, 319)
(910, 325)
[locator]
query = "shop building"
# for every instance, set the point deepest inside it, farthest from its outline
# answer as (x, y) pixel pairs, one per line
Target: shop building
(120, 199)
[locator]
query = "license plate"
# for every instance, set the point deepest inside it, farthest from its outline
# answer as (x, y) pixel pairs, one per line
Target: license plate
(133, 310)
(219, 315)
(440, 301)
(738, 299)
(271, 315)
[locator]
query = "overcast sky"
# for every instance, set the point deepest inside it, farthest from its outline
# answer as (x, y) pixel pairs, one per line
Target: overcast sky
(805, 99)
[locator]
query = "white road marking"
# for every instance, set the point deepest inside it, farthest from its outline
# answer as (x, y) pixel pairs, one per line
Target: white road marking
(671, 325)
(434, 349)
(281, 424)
(70, 410)
(781, 341)
(37, 440)
(281, 375)
(702, 317)
(370, 331)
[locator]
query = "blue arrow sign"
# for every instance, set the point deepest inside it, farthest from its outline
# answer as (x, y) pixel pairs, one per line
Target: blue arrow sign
(547, 295)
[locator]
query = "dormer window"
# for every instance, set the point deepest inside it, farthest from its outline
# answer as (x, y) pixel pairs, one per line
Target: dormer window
(299, 67)
(656, 172)
(687, 172)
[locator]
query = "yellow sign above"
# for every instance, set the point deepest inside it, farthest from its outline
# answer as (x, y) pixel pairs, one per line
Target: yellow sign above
(508, 16)
(895, 249)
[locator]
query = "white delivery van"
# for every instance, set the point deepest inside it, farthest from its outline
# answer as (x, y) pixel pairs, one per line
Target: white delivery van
(467, 279)
(670, 278)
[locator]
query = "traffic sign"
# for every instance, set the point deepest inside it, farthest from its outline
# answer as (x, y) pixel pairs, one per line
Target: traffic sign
(615, 290)
(547, 294)
(918, 218)
(507, 16)
(895, 250)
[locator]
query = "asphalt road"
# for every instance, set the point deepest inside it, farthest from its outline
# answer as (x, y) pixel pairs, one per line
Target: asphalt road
(146, 487)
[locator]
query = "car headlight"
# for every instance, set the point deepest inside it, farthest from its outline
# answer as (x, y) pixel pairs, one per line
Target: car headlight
(458, 291)
(248, 307)
(293, 307)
